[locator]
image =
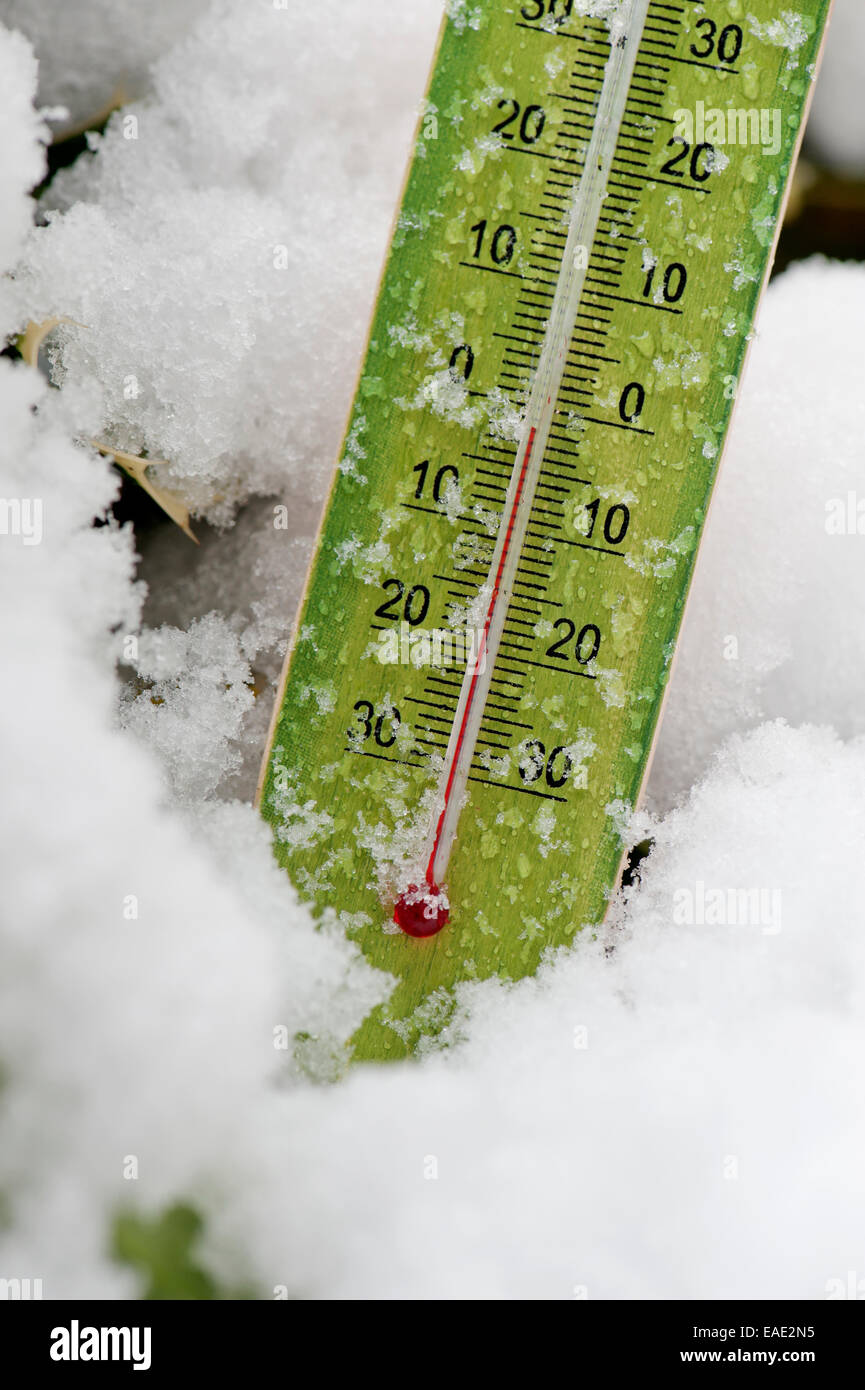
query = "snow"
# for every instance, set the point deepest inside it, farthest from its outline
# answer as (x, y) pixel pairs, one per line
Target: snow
(789, 30)
(93, 52)
(775, 626)
(23, 158)
(239, 216)
(671, 1109)
(836, 129)
(679, 1119)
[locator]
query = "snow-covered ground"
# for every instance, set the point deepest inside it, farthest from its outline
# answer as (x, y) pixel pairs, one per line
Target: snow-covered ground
(680, 1117)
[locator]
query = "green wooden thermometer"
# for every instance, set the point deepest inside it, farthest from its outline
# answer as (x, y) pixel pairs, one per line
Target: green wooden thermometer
(477, 670)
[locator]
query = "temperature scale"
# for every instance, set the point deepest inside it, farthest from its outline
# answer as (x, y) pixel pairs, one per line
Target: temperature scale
(476, 674)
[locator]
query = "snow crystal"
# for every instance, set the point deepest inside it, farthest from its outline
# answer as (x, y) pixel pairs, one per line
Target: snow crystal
(464, 15)
(789, 30)
(195, 693)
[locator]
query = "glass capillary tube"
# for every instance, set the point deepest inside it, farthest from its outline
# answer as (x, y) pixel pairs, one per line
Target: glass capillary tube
(626, 34)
